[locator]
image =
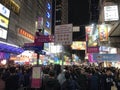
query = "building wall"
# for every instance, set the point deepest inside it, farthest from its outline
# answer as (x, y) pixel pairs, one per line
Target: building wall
(61, 12)
(28, 14)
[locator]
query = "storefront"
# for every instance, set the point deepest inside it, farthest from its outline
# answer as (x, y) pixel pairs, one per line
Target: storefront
(6, 50)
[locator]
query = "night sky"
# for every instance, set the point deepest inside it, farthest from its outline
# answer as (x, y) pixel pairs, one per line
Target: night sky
(78, 12)
(78, 15)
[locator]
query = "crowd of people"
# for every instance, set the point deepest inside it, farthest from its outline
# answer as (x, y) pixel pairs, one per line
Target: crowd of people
(16, 77)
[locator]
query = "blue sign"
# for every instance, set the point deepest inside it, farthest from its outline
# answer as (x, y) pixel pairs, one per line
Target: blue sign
(48, 6)
(35, 48)
(47, 24)
(106, 57)
(48, 14)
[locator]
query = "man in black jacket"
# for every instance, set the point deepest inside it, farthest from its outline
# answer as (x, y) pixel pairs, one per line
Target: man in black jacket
(51, 83)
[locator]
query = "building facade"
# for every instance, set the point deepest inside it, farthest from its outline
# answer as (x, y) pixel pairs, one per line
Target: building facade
(61, 12)
(19, 21)
(113, 7)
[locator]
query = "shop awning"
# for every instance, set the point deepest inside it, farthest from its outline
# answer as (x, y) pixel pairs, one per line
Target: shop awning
(9, 48)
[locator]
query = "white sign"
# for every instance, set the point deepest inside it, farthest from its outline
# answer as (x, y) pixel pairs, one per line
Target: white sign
(63, 34)
(3, 33)
(36, 73)
(76, 29)
(4, 11)
(40, 23)
(111, 13)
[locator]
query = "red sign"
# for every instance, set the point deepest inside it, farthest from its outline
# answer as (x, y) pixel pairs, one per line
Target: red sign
(33, 44)
(36, 77)
(26, 34)
(92, 49)
(44, 38)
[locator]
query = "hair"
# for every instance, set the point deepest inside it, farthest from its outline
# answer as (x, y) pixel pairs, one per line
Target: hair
(67, 75)
(51, 73)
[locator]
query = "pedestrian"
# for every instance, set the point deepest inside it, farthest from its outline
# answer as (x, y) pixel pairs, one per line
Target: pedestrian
(2, 83)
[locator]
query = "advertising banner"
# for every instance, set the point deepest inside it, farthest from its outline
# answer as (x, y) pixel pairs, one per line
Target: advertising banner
(78, 45)
(103, 32)
(3, 33)
(4, 11)
(106, 57)
(91, 36)
(92, 49)
(4, 22)
(36, 77)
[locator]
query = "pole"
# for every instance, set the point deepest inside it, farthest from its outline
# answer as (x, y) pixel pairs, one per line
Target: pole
(62, 53)
(38, 57)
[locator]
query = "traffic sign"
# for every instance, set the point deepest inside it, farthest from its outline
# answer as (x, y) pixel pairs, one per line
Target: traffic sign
(35, 48)
(44, 38)
(33, 44)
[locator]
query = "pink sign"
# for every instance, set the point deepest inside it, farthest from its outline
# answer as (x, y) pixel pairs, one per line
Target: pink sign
(33, 44)
(36, 83)
(90, 58)
(92, 49)
(44, 38)
(36, 77)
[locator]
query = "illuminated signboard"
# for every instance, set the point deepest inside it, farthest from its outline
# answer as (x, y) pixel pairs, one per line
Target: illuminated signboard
(48, 6)
(11, 4)
(4, 11)
(91, 36)
(78, 45)
(103, 32)
(47, 24)
(3, 33)
(4, 22)
(48, 14)
(26, 34)
(111, 13)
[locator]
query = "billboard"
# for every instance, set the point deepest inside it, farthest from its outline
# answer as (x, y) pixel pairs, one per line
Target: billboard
(103, 32)
(4, 11)
(4, 22)
(3, 33)
(106, 57)
(91, 35)
(78, 45)
(63, 34)
(111, 13)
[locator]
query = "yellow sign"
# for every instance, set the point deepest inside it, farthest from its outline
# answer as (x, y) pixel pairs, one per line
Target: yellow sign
(4, 22)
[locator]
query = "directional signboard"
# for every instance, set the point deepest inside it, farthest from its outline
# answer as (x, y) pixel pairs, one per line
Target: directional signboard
(44, 38)
(33, 46)
(63, 34)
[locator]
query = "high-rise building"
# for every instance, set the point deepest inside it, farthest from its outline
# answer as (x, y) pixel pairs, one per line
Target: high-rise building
(61, 12)
(18, 20)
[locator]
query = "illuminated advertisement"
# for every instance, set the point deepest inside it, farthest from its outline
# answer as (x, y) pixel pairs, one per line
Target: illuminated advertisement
(78, 45)
(3, 33)
(46, 45)
(111, 13)
(4, 22)
(26, 34)
(103, 32)
(4, 11)
(91, 35)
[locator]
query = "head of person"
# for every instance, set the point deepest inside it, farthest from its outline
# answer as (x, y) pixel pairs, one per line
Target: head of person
(52, 73)
(67, 75)
(108, 71)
